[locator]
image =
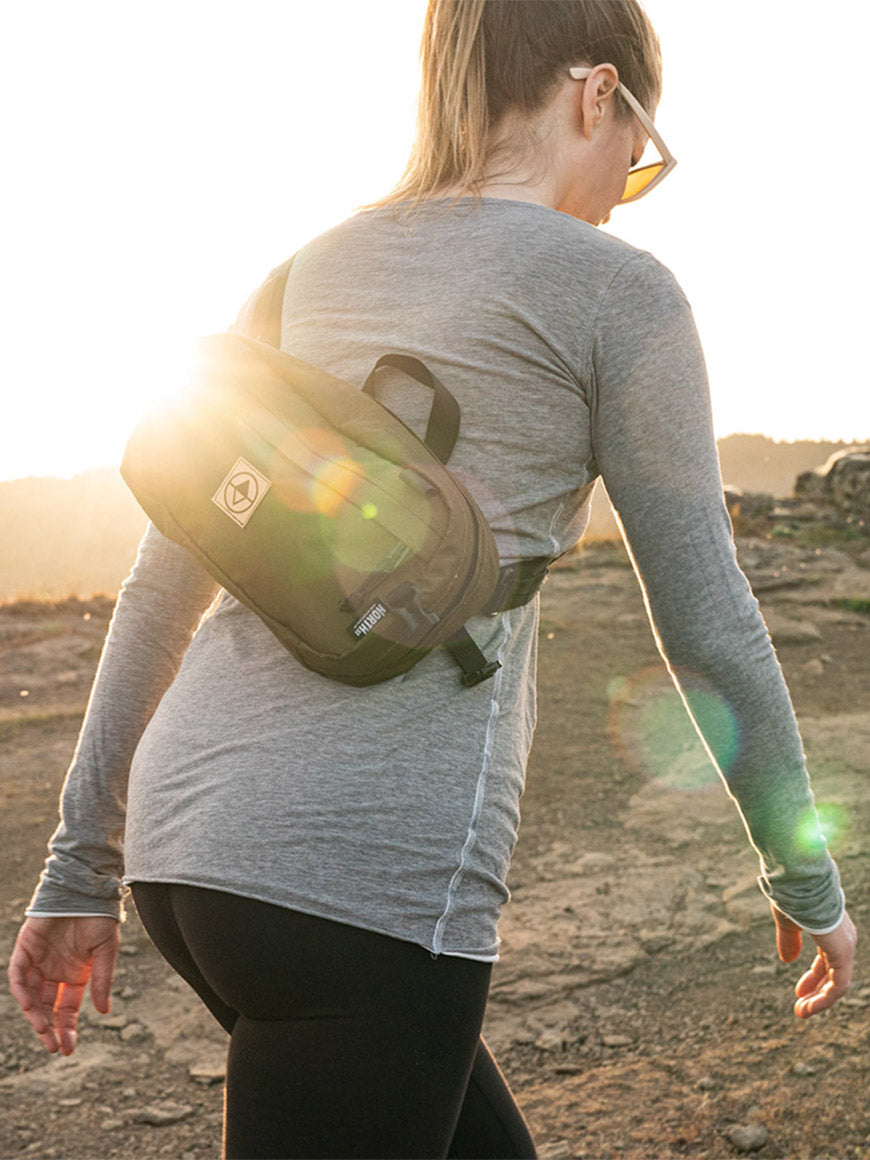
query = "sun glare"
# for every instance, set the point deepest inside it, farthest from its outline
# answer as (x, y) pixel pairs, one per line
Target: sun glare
(164, 165)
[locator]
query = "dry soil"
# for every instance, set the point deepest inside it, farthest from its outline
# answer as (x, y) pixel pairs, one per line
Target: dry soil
(639, 1009)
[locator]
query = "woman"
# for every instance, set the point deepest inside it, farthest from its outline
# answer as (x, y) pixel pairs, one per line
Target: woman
(324, 864)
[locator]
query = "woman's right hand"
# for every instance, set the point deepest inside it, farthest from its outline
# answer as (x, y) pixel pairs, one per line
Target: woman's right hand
(830, 976)
(51, 963)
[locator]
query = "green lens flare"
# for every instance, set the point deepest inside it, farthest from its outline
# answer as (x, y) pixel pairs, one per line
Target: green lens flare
(649, 725)
(827, 825)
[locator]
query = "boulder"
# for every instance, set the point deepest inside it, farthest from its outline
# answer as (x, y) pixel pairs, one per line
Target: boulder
(843, 482)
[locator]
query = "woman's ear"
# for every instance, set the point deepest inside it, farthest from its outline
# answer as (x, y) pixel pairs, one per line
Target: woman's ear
(597, 93)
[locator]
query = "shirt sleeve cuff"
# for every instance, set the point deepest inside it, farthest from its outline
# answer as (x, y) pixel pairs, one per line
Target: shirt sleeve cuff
(52, 900)
(70, 914)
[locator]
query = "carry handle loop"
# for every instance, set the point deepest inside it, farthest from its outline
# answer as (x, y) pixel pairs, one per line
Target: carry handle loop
(442, 429)
(260, 318)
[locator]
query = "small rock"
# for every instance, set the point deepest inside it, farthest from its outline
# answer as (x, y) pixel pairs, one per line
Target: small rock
(132, 1031)
(801, 1068)
(112, 1125)
(657, 942)
(815, 667)
(748, 1137)
(114, 1022)
(128, 949)
(70, 1102)
(616, 1040)
(207, 1073)
(783, 630)
(523, 1037)
(707, 1084)
(129, 993)
(557, 1150)
(163, 1113)
(550, 1040)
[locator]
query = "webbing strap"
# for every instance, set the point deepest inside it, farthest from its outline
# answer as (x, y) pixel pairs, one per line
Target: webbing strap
(517, 583)
(475, 667)
(442, 428)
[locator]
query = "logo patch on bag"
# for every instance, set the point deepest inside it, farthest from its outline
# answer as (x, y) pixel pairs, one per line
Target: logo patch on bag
(241, 492)
(368, 620)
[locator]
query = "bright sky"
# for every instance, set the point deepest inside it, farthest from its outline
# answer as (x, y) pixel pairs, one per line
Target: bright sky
(161, 158)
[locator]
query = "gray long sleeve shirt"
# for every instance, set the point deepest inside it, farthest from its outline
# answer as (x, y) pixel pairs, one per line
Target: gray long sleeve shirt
(395, 807)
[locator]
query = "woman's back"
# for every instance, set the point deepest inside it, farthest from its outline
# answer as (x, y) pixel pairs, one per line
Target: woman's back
(396, 807)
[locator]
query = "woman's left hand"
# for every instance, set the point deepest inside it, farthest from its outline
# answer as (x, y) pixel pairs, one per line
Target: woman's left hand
(51, 964)
(830, 976)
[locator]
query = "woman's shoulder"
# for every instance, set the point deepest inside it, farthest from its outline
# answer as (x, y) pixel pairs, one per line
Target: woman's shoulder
(562, 249)
(527, 249)
(522, 231)
(469, 215)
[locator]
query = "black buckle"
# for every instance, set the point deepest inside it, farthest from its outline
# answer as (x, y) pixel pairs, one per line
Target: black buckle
(475, 678)
(404, 601)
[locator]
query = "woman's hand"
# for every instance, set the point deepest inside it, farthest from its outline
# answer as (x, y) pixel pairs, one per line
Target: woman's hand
(830, 976)
(51, 963)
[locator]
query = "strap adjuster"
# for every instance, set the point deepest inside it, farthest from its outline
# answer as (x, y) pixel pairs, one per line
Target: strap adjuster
(465, 651)
(483, 674)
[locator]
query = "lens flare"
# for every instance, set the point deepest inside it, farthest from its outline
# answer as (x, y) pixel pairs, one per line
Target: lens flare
(650, 727)
(324, 459)
(351, 529)
(335, 484)
(827, 825)
(300, 461)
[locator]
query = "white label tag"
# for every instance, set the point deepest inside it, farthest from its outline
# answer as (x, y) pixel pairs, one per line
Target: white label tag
(241, 492)
(368, 620)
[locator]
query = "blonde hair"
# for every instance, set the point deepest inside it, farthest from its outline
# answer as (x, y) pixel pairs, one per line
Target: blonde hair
(481, 59)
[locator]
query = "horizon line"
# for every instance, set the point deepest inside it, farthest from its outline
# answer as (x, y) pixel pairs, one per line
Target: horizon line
(76, 472)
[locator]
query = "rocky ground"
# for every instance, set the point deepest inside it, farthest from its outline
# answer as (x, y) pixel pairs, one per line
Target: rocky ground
(639, 1009)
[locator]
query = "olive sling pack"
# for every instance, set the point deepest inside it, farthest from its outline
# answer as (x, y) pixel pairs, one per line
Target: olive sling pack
(317, 508)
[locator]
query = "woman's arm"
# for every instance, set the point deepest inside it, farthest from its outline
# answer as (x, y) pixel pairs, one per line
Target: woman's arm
(159, 608)
(654, 445)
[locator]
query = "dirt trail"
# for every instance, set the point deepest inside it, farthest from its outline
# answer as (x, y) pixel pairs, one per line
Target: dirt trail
(639, 1009)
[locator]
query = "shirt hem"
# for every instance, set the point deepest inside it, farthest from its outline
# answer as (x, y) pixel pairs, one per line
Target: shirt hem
(314, 911)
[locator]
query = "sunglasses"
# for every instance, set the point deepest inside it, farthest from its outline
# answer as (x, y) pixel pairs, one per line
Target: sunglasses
(644, 177)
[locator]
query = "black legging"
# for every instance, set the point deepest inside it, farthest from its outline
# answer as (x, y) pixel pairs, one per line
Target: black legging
(344, 1043)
